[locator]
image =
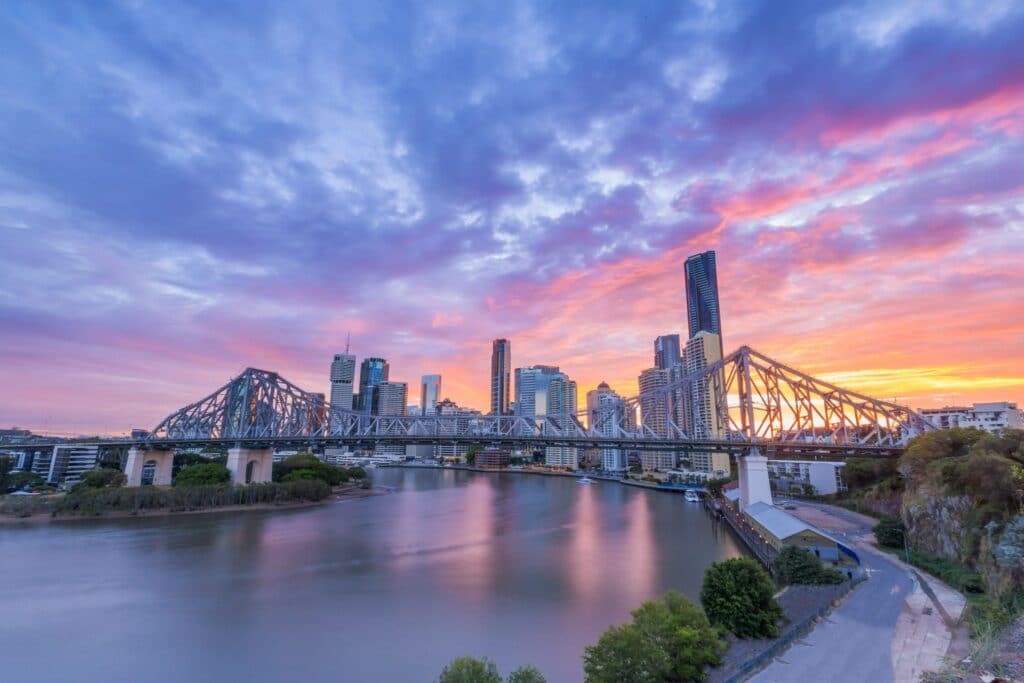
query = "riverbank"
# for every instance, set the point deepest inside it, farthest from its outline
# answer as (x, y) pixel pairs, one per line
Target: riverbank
(42, 514)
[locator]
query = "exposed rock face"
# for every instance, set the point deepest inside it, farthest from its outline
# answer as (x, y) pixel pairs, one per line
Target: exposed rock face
(1001, 557)
(937, 524)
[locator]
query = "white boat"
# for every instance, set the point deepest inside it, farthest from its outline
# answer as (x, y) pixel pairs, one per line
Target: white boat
(584, 480)
(691, 497)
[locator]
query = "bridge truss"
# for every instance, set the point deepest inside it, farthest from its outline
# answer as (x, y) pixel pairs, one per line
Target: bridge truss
(744, 400)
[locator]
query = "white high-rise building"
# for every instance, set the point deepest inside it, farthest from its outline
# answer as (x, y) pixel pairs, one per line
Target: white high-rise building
(69, 463)
(701, 417)
(343, 374)
(389, 399)
(430, 393)
(654, 413)
(606, 413)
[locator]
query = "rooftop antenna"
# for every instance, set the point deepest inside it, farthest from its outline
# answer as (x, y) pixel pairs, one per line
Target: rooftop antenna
(348, 342)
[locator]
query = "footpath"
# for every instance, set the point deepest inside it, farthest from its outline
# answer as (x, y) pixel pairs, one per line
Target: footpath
(927, 611)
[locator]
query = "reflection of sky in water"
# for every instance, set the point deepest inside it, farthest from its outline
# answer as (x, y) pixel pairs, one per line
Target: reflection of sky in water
(519, 568)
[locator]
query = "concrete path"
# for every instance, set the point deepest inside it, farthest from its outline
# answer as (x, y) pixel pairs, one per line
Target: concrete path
(888, 629)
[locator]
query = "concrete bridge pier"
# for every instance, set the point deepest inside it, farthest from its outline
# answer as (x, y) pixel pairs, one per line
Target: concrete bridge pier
(754, 486)
(250, 465)
(137, 459)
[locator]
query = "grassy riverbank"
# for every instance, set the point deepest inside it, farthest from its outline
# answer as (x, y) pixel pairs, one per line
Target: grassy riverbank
(152, 500)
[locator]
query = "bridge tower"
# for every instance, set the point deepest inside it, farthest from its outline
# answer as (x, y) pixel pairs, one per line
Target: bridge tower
(753, 471)
(250, 465)
(137, 459)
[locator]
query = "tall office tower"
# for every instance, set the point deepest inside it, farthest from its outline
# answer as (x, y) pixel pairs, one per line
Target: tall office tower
(702, 294)
(561, 405)
(654, 412)
(372, 372)
(606, 414)
(532, 389)
(430, 393)
(666, 351)
(703, 417)
(343, 375)
(501, 371)
(389, 398)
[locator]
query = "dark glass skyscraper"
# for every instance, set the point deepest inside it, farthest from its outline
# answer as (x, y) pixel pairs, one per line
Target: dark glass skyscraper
(702, 294)
(501, 374)
(372, 372)
(666, 351)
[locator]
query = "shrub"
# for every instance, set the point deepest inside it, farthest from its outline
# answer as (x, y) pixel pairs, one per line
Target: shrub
(952, 572)
(714, 486)
(796, 565)
(356, 472)
(19, 480)
(738, 595)
(470, 670)
(669, 639)
(299, 475)
(890, 532)
(203, 474)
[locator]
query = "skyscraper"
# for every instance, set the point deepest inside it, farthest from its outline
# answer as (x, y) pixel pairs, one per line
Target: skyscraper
(545, 391)
(343, 374)
(389, 399)
(702, 415)
(606, 413)
(666, 351)
(430, 393)
(372, 372)
(702, 294)
(654, 413)
(501, 371)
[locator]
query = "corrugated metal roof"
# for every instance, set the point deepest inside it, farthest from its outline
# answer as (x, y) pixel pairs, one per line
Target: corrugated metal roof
(780, 523)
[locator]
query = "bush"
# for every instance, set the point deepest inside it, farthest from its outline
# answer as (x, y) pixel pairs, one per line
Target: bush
(669, 639)
(738, 595)
(356, 472)
(101, 478)
(890, 532)
(796, 565)
(714, 486)
(204, 474)
(329, 474)
(470, 670)
(952, 572)
(139, 498)
(16, 481)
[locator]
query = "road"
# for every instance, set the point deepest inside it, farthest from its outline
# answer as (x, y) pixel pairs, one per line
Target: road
(854, 643)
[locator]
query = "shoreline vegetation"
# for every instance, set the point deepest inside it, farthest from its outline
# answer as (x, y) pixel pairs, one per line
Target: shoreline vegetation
(200, 484)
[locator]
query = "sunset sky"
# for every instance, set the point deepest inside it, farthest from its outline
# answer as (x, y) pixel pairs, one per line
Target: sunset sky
(189, 190)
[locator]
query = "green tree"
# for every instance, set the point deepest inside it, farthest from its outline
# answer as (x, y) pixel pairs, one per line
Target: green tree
(471, 452)
(325, 472)
(526, 674)
(19, 480)
(889, 532)
(203, 474)
(800, 566)
(101, 478)
(356, 472)
(470, 670)
(714, 486)
(6, 465)
(935, 445)
(737, 595)
(668, 640)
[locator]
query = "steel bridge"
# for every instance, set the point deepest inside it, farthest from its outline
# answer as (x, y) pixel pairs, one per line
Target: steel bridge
(745, 400)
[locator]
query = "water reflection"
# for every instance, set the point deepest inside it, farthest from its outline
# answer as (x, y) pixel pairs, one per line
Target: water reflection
(520, 568)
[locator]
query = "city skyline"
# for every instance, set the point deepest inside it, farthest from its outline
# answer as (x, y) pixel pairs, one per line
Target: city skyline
(865, 213)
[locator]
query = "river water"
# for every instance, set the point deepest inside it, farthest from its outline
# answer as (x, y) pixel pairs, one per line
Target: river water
(520, 568)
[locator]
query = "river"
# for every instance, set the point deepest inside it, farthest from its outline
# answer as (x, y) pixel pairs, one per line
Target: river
(521, 568)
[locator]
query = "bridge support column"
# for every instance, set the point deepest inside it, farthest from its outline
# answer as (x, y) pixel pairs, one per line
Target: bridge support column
(250, 465)
(754, 486)
(137, 459)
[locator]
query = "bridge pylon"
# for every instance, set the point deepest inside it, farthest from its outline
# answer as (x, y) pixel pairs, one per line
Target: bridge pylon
(754, 484)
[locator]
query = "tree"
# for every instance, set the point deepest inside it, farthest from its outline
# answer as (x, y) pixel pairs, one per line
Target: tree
(471, 452)
(356, 472)
(325, 472)
(203, 474)
(714, 486)
(101, 478)
(19, 480)
(889, 532)
(470, 670)
(526, 674)
(668, 640)
(796, 565)
(6, 465)
(738, 595)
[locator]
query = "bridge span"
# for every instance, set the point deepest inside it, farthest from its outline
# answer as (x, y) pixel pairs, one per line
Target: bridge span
(747, 405)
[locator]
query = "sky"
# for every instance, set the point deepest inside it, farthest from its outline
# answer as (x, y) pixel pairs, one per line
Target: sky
(189, 189)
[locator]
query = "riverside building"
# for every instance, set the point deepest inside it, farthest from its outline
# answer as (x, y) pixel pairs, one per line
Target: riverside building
(501, 375)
